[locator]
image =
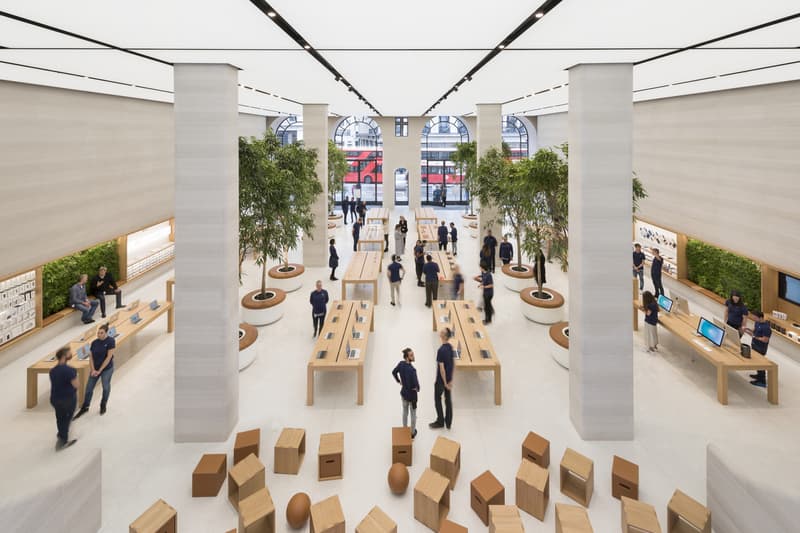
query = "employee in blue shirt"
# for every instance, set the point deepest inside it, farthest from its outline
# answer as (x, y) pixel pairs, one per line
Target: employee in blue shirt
(458, 283)
(444, 382)
(395, 272)
(431, 271)
(761, 333)
(357, 233)
(442, 232)
(419, 261)
(102, 369)
(655, 273)
(333, 260)
(345, 208)
(491, 242)
(506, 251)
(486, 284)
(353, 209)
(453, 239)
(63, 395)
(406, 375)
(638, 264)
(319, 307)
(650, 307)
(736, 312)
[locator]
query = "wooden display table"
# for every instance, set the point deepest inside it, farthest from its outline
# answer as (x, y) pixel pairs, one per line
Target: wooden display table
(572, 519)
(428, 235)
(159, 518)
(327, 516)
(685, 514)
(125, 331)
(624, 479)
(536, 449)
(724, 359)
(257, 513)
(377, 522)
(330, 351)
(363, 268)
(446, 264)
(371, 235)
(477, 353)
(505, 519)
(424, 215)
(289, 451)
(331, 456)
(379, 215)
(638, 517)
(209, 475)
(486, 490)
(577, 477)
(431, 499)
(533, 489)
(402, 449)
(446, 459)
(244, 479)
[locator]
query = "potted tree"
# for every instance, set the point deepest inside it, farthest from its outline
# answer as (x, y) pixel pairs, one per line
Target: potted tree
(465, 157)
(337, 168)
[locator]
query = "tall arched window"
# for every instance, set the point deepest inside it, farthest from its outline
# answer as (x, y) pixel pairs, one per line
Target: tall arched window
(441, 179)
(515, 135)
(362, 142)
(290, 130)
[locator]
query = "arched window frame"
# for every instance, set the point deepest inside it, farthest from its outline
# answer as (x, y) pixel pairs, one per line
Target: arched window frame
(434, 125)
(290, 122)
(511, 124)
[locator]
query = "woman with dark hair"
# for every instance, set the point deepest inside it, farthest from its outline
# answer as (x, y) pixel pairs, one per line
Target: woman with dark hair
(650, 308)
(333, 261)
(486, 256)
(444, 381)
(736, 312)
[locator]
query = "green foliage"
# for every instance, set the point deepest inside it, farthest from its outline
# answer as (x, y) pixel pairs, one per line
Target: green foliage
(59, 275)
(465, 157)
(337, 168)
(721, 272)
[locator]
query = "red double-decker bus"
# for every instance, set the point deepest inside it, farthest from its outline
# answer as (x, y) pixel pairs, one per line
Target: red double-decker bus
(365, 166)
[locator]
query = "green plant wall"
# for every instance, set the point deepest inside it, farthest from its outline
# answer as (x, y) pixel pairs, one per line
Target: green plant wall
(59, 275)
(721, 272)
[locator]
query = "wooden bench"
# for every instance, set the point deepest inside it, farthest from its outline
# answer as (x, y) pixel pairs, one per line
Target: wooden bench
(477, 353)
(125, 330)
(425, 215)
(379, 215)
(371, 235)
(363, 268)
(330, 351)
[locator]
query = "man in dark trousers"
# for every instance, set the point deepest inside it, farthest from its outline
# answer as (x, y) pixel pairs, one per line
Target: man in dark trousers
(453, 239)
(353, 209)
(761, 333)
(319, 307)
(405, 374)
(431, 270)
(491, 242)
(333, 260)
(356, 233)
(103, 283)
(63, 395)
(345, 207)
(655, 272)
(444, 382)
(638, 264)
(487, 285)
(506, 251)
(442, 231)
(419, 261)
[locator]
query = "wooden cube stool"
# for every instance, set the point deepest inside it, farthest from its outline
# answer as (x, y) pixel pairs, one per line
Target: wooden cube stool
(451, 527)
(289, 451)
(158, 518)
(257, 513)
(572, 519)
(505, 519)
(577, 477)
(624, 479)
(431, 499)
(377, 522)
(486, 490)
(209, 475)
(687, 515)
(536, 449)
(638, 517)
(244, 479)
(331, 456)
(401, 446)
(247, 442)
(446, 459)
(533, 489)
(327, 516)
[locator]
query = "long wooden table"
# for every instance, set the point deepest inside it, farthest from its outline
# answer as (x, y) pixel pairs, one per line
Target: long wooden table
(378, 215)
(371, 234)
(446, 263)
(425, 215)
(477, 352)
(724, 359)
(427, 233)
(330, 350)
(363, 268)
(125, 329)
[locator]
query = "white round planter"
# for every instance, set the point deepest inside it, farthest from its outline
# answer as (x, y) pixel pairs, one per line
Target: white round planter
(558, 351)
(263, 312)
(466, 220)
(247, 345)
(473, 230)
(516, 280)
(547, 311)
(288, 281)
(336, 219)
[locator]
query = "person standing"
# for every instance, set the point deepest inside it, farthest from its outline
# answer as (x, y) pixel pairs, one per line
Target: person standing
(491, 242)
(385, 225)
(333, 260)
(395, 272)
(454, 239)
(404, 231)
(736, 312)
(102, 368)
(638, 264)
(761, 333)
(506, 251)
(444, 193)
(458, 283)
(431, 270)
(353, 209)
(345, 208)
(419, 261)
(442, 232)
(655, 273)
(399, 241)
(81, 302)
(319, 307)
(486, 256)
(406, 375)
(356, 233)
(486, 283)
(362, 210)
(650, 308)
(103, 283)
(539, 267)
(444, 382)
(63, 395)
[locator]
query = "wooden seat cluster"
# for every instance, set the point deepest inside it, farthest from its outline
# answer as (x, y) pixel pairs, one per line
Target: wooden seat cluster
(363, 268)
(330, 350)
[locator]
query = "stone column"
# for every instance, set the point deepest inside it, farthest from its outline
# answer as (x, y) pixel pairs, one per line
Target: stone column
(600, 206)
(489, 134)
(206, 266)
(390, 142)
(315, 135)
(412, 156)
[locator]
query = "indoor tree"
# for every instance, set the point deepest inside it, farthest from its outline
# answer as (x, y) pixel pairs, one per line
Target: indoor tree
(250, 170)
(465, 157)
(337, 168)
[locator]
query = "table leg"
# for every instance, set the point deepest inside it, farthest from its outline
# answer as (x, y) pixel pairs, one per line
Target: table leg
(772, 385)
(722, 385)
(83, 377)
(32, 389)
(360, 372)
(344, 291)
(171, 319)
(498, 387)
(635, 319)
(310, 386)
(372, 321)
(375, 292)
(433, 316)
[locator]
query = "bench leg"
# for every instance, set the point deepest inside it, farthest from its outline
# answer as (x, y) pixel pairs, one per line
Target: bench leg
(310, 386)
(83, 378)
(772, 385)
(498, 387)
(360, 376)
(344, 291)
(375, 293)
(722, 385)
(32, 389)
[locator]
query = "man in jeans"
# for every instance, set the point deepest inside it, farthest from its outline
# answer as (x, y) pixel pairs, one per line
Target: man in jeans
(102, 368)
(405, 374)
(454, 238)
(431, 271)
(103, 283)
(81, 302)
(638, 264)
(395, 272)
(63, 395)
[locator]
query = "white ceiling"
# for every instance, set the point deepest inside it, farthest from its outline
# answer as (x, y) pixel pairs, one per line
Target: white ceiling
(401, 56)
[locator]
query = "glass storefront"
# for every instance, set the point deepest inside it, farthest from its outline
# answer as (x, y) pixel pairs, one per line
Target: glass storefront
(442, 181)
(360, 139)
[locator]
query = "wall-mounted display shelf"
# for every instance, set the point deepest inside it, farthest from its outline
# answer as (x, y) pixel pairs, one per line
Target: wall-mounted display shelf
(17, 306)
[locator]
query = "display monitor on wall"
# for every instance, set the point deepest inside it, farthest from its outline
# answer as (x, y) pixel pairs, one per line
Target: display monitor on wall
(710, 331)
(789, 288)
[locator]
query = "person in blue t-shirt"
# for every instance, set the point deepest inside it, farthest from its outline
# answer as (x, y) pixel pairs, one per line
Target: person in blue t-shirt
(431, 271)
(395, 272)
(491, 242)
(458, 283)
(506, 251)
(333, 259)
(486, 284)
(319, 307)
(419, 261)
(444, 382)
(650, 307)
(357, 233)
(405, 374)
(655, 272)
(63, 395)
(638, 264)
(442, 232)
(761, 333)
(102, 369)
(736, 312)
(453, 239)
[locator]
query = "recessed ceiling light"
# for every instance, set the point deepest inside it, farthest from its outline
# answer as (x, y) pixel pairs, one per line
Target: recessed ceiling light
(501, 46)
(272, 14)
(539, 14)
(306, 46)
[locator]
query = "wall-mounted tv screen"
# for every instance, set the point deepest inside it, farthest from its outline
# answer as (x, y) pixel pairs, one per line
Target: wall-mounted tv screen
(789, 288)
(710, 331)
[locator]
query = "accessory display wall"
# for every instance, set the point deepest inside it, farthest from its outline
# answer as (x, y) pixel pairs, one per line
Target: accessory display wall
(17, 306)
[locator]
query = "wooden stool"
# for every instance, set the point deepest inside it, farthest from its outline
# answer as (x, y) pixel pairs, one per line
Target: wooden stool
(377, 522)
(638, 517)
(401, 446)
(505, 519)
(331, 456)
(536, 449)
(247, 442)
(533, 489)
(244, 479)
(431, 499)
(257, 513)
(486, 490)
(577, 477)
(572, 519)
(209, 475)
(624, 479)
(159, 518)
(446, 459)
(687, 515)
(451, 527)
(289, 451)
(327, 516)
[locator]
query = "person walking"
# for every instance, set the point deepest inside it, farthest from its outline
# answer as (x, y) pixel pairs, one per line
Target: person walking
(404, 231)
(102, 368)
(353, 209)
(356, 233)
(431, 270)
(81, 302)
(491, 242)
(319, 307)
(650, 308)
(395, 272)
(506, 251)
(444, 194)
(486, 256)
(444, 382)
(453, 239)
(385, 226)
(736, 312)
(361, 209)
(655, 273)
(419, 261)
(399, 241)
(486, 283)
(63, 395)
(442, 232)
(333, 260)
(345, 208)
(638, 264)
(458, 283)
(761, 333)
(406, 375)
(103, 283)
